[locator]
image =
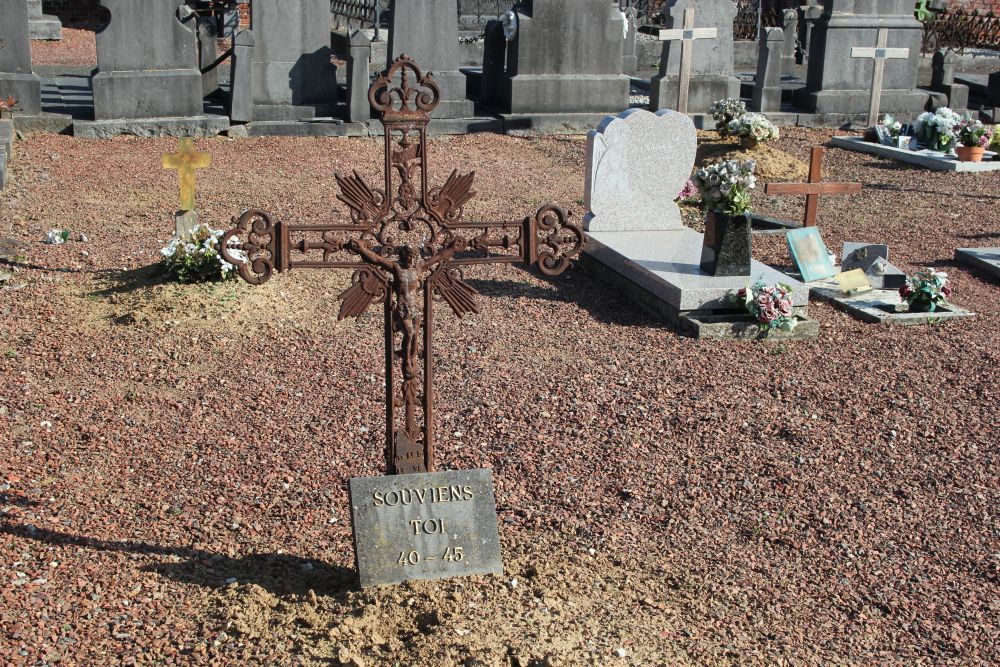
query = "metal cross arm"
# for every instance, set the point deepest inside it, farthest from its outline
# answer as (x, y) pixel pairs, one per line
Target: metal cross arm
(407, 245)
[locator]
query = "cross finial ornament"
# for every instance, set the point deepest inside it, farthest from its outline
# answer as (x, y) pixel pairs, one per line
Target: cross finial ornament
(687, 35)
(813, 188)
(407, 245)
(880, 54)
(186, 161)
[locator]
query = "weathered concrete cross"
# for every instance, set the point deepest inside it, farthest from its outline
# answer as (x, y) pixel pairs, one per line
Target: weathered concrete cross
(407, 245)
(814, 188)
(186, 160)
(880, 54)
(686, 35)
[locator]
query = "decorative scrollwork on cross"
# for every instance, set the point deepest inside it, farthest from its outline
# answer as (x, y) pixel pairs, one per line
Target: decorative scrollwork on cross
(407, 245)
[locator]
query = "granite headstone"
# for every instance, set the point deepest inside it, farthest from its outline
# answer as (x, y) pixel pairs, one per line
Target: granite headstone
(767, 83)
(42, 26)
(16, 78)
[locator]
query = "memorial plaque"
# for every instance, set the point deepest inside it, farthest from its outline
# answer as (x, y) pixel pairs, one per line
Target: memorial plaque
(853, 282)
(862, 255)
(424, 526)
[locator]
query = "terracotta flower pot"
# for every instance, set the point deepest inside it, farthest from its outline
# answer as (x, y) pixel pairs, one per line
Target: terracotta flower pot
(970, 153)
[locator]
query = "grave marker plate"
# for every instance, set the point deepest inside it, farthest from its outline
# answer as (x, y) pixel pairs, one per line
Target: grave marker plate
(424, 526)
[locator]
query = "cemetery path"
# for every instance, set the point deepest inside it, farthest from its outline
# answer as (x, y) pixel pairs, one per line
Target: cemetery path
(172, 489)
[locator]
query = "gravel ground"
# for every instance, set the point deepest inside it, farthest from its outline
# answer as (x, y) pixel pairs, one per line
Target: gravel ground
(77, 47)
(173, 485)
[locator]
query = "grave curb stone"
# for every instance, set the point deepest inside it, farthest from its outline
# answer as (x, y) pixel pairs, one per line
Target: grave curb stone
(986, 260)
(189, 126)
(919, 158)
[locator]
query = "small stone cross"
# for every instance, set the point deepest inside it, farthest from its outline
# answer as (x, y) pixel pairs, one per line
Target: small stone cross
(814, 188)
(186, 160)
(686, 36)
(880, 54)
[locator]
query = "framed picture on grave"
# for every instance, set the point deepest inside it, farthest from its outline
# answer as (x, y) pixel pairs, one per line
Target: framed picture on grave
(810, 254)
(884, 135)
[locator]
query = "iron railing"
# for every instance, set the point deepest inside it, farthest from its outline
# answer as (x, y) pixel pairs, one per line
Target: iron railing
(360, 14)
(959, 30)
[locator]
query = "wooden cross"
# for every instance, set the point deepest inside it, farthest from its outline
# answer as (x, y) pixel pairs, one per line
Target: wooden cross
(186, 161)
(814, 188)
(686, 36)
(880, 54)
(407, 245)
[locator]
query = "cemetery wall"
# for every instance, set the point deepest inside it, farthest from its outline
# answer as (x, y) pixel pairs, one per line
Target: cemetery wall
(981, 5)
(87, 13)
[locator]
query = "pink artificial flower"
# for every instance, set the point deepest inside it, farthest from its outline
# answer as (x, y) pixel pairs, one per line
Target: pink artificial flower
(764, 300)
(905, 291)
(768, 314)
(742, 294)
(768, 290)
(984, 141)
(785, 307)
(946, 291)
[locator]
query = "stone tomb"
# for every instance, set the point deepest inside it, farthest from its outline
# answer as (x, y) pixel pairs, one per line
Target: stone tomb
(42, 26)
(928, 159)
(986, 260)
(712, 74)
(881, 306)
(424, 526)
(16, 78)
(637, 165)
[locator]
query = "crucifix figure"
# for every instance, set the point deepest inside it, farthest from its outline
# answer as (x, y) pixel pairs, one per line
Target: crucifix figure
(880, 54)
(813, 188)
(407, 245)
(686, 36)
(186, 161)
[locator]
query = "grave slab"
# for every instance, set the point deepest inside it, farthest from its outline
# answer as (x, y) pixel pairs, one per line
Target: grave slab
(927, 159)
(878, 306)
(986, 260)
(424, 526)
(726, 327)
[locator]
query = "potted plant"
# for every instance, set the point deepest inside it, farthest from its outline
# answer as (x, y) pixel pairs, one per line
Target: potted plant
(725, 188)
(937, 130)
(974, 137)
(770, 305)
(726, 111)
(753, 129)
(925, 291)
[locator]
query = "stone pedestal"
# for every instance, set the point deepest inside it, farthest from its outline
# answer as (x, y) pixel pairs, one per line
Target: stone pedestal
(836, 83)
(293, 78)
(241, 89)
(146, 63)
(725, 249)
(427, 31)
(42, 26)
(16, 78)
(358, 79)
(566, 58)
(943, 69)
(712, 73)
(767, 83)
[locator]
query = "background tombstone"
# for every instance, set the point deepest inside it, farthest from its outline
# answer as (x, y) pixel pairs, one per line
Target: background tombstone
(565, 58)
(147, 63)
(293, 78)
(358, 80)
(767, 83)
(630, 55)
(241, 75)
(41, 25)
(16, 78)
(839, 84)
(943, 68)
(712, 75)
(208, 40)
(427, 31)
(789, 49)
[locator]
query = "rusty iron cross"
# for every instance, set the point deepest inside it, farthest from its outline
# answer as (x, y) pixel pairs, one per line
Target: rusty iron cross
(407, 244)
(813, 188)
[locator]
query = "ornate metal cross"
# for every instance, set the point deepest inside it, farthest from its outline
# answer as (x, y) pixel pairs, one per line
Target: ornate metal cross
(186, 160)
(407, 244)
(813, 188)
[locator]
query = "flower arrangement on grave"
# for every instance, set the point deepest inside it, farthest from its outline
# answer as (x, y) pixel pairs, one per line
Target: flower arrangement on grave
(974, 137)
(6, 106)
(726, 111)
(752, 129)
(770, 305)
(195, 257)
(725, 186)
(894, 127)
(937, 129)
(925, 291)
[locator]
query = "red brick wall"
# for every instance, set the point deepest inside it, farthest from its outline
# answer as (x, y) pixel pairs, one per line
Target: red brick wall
(981, 5)
(87, 13)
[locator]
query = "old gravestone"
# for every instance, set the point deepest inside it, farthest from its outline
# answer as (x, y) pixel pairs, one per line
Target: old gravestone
(767, 83)
(565, 56)
(16, 78)
(712, 76)
(147, 63)
(426, 30)
(836, 83)
(42, 26)
(944, 65)
(293, 78)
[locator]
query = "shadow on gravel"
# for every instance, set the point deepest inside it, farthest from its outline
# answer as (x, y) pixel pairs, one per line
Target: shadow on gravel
(895, 188)
(130, 280)
(280, 574)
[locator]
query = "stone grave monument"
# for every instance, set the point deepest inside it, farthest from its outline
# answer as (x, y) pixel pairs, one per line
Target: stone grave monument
(711, 62)
(16, 77)
(147, 80)
(844, 58)
(767, 82)
(986, 260)
(562, 57)
(42, 26)
(426, 30)
(417, 523)
(944, 66)
(637, 164)
(293, 78)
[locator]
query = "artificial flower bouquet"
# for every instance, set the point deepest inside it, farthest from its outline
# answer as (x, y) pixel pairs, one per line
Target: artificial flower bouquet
(937, 129)
(726, 111)
(925, 291)
(195, 257)
(770, 305)
(725, 186)
(972, 133)
(754, 127)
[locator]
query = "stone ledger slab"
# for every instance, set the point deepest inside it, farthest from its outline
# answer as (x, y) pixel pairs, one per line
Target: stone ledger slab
(928, 159)
(424, 526)
(188, 126)
(665, 266)
(986, 260)
(878, 306)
